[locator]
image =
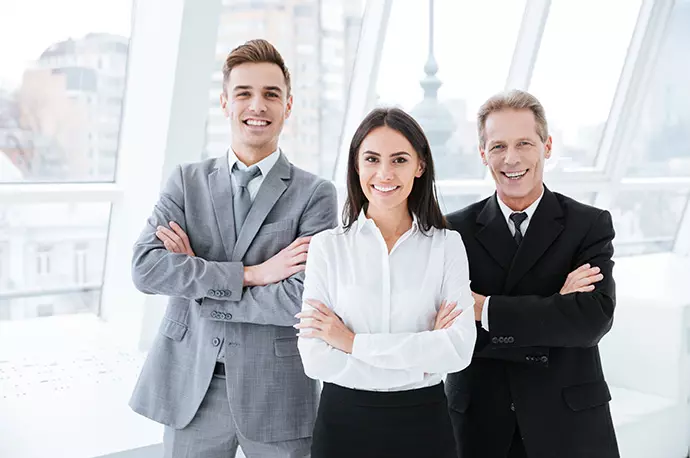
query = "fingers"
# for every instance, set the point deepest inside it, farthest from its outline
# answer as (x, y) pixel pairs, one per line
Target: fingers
(444, 311)
(296, 269)
(299, 242)
(169, 239)
(299, 259)
(448, 321)
(587, 281)
(299, 249)
(180, 233)
(580, 269)
(321, 307)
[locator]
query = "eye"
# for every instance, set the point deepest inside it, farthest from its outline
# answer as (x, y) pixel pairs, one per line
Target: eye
(272, 94)
(371, 159)
(242, 94)
(495, 147)
(524, 144)
(399, 160)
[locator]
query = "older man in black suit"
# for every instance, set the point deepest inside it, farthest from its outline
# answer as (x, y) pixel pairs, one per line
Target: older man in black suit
(541, 273)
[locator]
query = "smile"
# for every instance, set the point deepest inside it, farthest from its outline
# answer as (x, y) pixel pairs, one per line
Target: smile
(515, 175)
(384, 189)
(256, 122)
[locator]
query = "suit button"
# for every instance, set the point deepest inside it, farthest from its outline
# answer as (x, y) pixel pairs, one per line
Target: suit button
(228, 316)
(544, 359)
(494, 340)
(215, 341)
(214, 314)
(512, 406)
(510, 339)
(228, 293)
(211, 293)
(222, 293)
(501, 340)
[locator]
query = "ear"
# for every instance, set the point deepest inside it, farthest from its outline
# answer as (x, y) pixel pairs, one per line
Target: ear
(482, 153)
(224, 103)
(288, 107)
(547, 147)
(420, 169)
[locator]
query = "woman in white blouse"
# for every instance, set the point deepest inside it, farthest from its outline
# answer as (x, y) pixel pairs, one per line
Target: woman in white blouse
(381, 322)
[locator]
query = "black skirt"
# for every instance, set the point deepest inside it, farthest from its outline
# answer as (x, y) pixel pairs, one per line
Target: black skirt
(362, 424)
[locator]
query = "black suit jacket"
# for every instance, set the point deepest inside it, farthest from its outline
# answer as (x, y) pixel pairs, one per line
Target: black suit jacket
(539, 365)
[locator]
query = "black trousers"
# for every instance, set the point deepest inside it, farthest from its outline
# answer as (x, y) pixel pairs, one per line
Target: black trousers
(362, 424)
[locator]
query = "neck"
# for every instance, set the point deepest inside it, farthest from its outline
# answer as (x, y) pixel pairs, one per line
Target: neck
(391, 222)
(250, 155)
(518, 204)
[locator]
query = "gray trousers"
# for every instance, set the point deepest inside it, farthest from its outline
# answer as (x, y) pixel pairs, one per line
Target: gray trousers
(212, 433)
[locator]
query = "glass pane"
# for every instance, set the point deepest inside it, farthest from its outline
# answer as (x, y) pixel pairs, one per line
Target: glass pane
(318, 40)
(51, 258)
(661, 144)
(450, 203)
(576, 73)
(647, 221)
(469, 73)
(62, 83)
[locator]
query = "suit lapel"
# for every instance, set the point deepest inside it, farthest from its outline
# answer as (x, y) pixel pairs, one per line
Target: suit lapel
(220, 188)
(494, 234)
(273, 186)
(542, 231)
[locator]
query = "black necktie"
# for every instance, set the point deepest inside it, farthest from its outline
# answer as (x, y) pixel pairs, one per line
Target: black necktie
(518, 218)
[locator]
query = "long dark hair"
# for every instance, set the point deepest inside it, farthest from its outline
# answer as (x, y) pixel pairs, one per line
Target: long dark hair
(422, 201)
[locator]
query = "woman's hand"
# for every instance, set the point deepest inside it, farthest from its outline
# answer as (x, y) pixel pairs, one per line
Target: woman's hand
(324, 324)
(446, 315)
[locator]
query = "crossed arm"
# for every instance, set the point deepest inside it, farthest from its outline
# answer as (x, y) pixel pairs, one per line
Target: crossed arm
(269, 293)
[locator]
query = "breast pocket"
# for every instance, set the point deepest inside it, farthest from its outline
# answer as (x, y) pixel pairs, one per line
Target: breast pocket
(281, 232)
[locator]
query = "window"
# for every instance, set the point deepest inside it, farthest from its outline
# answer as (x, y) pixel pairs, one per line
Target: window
(661, 144)
(80, 264)
(576, 73)
(49, 85)
(305, 53)
(43, 253)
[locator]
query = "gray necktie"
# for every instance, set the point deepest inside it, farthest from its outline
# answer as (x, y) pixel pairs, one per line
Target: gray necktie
(241, 202)
(518, 218)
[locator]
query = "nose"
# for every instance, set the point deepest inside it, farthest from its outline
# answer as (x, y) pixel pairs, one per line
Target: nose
(385, 172)
(512, 156)
(257, 105)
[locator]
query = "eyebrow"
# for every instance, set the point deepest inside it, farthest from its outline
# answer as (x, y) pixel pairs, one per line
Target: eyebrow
(265, 88)
(399, 153)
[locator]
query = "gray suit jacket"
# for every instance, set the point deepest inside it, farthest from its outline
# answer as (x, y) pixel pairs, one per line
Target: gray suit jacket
(270, 396)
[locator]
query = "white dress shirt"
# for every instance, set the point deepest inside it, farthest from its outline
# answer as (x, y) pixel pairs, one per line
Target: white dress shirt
(265, 165)
(507, 211)
(390, 302)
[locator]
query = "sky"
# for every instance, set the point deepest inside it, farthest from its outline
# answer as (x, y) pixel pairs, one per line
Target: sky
(575, 76)
(28, 27)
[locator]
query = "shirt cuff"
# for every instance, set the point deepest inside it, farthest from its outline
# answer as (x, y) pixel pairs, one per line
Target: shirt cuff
(485, 314)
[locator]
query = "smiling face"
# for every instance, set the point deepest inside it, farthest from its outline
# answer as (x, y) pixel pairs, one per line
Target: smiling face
(515, 155)
(387, 165)
(256, 101)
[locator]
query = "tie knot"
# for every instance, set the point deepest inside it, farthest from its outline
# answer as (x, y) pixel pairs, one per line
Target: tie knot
(243, 177)
(518, 218)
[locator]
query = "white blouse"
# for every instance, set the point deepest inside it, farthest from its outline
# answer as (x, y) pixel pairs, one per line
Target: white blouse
(390, 302)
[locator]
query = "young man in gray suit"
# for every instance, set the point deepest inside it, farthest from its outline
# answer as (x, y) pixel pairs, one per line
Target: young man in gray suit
(227, 241)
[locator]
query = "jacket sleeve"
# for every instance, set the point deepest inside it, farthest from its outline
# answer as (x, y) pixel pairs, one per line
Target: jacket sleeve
(571, 320)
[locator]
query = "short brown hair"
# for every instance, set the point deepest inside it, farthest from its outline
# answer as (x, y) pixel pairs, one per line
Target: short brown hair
(255, 51)
(512, 100)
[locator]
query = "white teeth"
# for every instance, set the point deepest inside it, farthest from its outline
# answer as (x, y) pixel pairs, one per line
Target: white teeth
(253, 122)
(385, 188)
(515, 175)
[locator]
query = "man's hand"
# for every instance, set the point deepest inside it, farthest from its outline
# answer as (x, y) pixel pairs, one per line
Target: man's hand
(285, 264)
(446, 315)
(324, 324)
(581, 280)
(174, 240)
(478, 305)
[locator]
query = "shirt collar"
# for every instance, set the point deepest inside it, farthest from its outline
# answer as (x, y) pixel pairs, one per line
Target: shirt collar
(529, 211)
(265, 164)
(363, 221)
